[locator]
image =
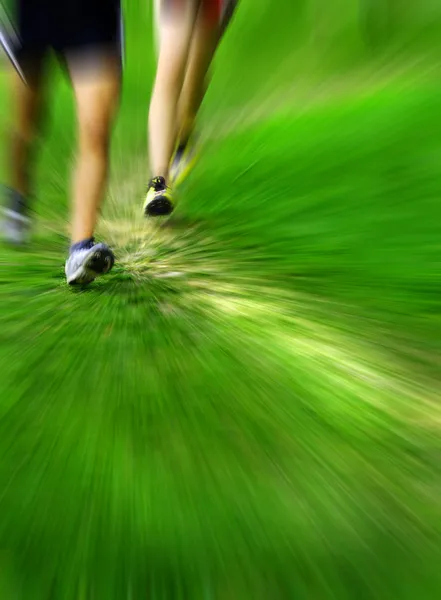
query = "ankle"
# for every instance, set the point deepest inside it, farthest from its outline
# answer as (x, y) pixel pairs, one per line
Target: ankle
(81, 244)
(186, 131)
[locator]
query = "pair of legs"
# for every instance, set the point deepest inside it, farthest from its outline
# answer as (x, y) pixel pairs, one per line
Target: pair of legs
(96, 89)
(86, 36)
(188, 39)
(189, 32)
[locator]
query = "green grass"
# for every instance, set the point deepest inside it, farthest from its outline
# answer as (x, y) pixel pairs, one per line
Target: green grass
(248, 406)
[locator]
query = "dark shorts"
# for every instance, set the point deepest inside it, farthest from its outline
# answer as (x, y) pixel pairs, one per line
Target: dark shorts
(67, 27)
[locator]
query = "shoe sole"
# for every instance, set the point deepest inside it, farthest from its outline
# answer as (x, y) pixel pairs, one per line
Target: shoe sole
(159, 207)
(96, 264)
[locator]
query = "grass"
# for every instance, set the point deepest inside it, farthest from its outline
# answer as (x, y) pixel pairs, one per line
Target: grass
(247, 407)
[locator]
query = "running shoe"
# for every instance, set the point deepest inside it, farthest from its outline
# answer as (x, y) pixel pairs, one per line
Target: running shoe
(159, 200)
(16, 223)
(87, 261)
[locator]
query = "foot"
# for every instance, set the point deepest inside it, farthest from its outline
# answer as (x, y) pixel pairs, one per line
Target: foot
(159, 200)
(87, 261)
(183, 162)
(16, 222)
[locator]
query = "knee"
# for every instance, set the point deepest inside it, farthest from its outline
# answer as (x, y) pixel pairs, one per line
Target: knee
(94, 133)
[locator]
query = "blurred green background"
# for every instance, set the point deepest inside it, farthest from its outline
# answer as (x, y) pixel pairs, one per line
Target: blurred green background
(248, 406)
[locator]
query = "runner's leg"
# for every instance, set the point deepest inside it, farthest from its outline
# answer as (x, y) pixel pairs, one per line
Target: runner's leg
(92, 49)
(25, 45)
(203, 47)
(176, 22)
(208, 32)
(96, 87)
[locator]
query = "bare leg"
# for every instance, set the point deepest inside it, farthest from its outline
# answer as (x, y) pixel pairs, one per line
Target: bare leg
(206, 37)
(26, 112)
(27, 106)
(176, 23)
(97, 95)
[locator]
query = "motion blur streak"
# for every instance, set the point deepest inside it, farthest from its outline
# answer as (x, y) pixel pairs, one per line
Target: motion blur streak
(247, 408)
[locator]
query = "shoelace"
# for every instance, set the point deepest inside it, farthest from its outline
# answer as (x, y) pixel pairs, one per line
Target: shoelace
(158, 184)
